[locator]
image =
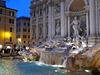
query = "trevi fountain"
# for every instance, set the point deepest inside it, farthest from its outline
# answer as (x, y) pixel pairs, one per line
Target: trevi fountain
(72, 54)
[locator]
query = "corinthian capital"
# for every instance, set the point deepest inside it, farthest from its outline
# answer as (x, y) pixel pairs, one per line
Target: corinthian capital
(62, 0)
(50, 3)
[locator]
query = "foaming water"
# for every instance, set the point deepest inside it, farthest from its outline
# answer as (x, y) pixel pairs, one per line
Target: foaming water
(40, 63)
(15, 67)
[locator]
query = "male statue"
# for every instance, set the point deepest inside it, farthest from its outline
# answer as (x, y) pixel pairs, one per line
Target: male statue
(75, 25)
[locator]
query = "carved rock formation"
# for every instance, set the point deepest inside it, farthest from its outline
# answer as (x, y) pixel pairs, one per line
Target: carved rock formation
(88, 59)
(51, 58)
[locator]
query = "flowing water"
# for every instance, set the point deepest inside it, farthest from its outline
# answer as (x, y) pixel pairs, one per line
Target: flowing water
(16, 67)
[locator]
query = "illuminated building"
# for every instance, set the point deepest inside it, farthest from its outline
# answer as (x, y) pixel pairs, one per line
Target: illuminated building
(7, 26)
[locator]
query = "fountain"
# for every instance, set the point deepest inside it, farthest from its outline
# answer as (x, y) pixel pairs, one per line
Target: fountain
(75, 55)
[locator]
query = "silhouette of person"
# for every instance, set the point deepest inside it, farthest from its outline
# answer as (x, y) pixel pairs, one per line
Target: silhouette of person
(95, 71)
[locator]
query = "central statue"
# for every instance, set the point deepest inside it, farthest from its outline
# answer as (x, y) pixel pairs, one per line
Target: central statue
(76, 26)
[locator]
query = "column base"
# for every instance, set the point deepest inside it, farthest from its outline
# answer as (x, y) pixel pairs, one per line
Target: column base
(93, 41)
(57, 37)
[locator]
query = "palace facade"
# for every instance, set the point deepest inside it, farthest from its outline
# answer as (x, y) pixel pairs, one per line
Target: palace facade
(23, 31)
(7, 26)
(53, 18)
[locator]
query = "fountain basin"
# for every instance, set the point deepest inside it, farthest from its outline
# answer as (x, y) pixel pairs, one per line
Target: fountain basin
(16, 67)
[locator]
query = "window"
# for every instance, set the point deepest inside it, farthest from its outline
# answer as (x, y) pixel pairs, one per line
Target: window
(0, 11)
(18, 36)
(19, 24)
(24, 36)
(24, 30)
(40, 30)
(24, 41)
(34, 31)
(10, 39)
(47, 10)
(10, 29)
(0, 19)
(24, 47)
(0, 27)
(19, 30)
(28, 36)
(11, 21)
(28, 24)
(46, 28)
(28, 30)
(34, 14)
(11, 13)
(24, 24)
(40, 11)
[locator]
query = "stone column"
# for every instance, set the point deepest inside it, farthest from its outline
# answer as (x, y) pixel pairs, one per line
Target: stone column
(44, 21)
(37, 23)
(97, 22)
(92, 19)
(68, 25)
(52, 27)
(87, 24)
(50, 20)
(66, 30)
(62, 19)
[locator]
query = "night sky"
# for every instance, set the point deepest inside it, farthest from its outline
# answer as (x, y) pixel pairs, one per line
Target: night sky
(21, 5)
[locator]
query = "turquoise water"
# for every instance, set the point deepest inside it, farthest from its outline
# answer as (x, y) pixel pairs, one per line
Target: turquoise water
(16, 67)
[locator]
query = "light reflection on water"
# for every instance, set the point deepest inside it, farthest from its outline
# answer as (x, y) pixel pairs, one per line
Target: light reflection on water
(7, 67)
(15, 67)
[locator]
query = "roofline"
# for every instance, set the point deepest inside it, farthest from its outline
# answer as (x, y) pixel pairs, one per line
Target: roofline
(23, 17)
(9, 8)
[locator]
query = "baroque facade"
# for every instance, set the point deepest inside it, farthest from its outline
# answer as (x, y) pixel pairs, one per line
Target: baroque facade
(53, 18)
(7, 26)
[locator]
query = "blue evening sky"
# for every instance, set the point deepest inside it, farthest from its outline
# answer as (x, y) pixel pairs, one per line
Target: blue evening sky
(21, 5)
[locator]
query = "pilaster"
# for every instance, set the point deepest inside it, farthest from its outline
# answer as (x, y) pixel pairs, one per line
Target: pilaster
(44, 21)
(68, 17)
(92, 19)
(50, 4)
(62, 19)
(92, 37)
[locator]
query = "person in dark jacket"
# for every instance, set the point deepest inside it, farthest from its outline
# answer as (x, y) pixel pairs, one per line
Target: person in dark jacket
(95, 71)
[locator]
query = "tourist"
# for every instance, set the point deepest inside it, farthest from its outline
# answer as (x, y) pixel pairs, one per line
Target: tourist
(95, 71)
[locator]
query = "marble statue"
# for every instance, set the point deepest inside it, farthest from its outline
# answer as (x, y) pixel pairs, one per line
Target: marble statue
(75, 25)
(58, 27)
(57, 8)
(84, 41)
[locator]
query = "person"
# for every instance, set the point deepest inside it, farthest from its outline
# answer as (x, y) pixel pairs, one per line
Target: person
(95, 71)
(75, 25)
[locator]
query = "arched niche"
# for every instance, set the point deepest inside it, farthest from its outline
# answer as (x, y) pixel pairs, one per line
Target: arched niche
(77, 9)
(77, 5)
(74, 2)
